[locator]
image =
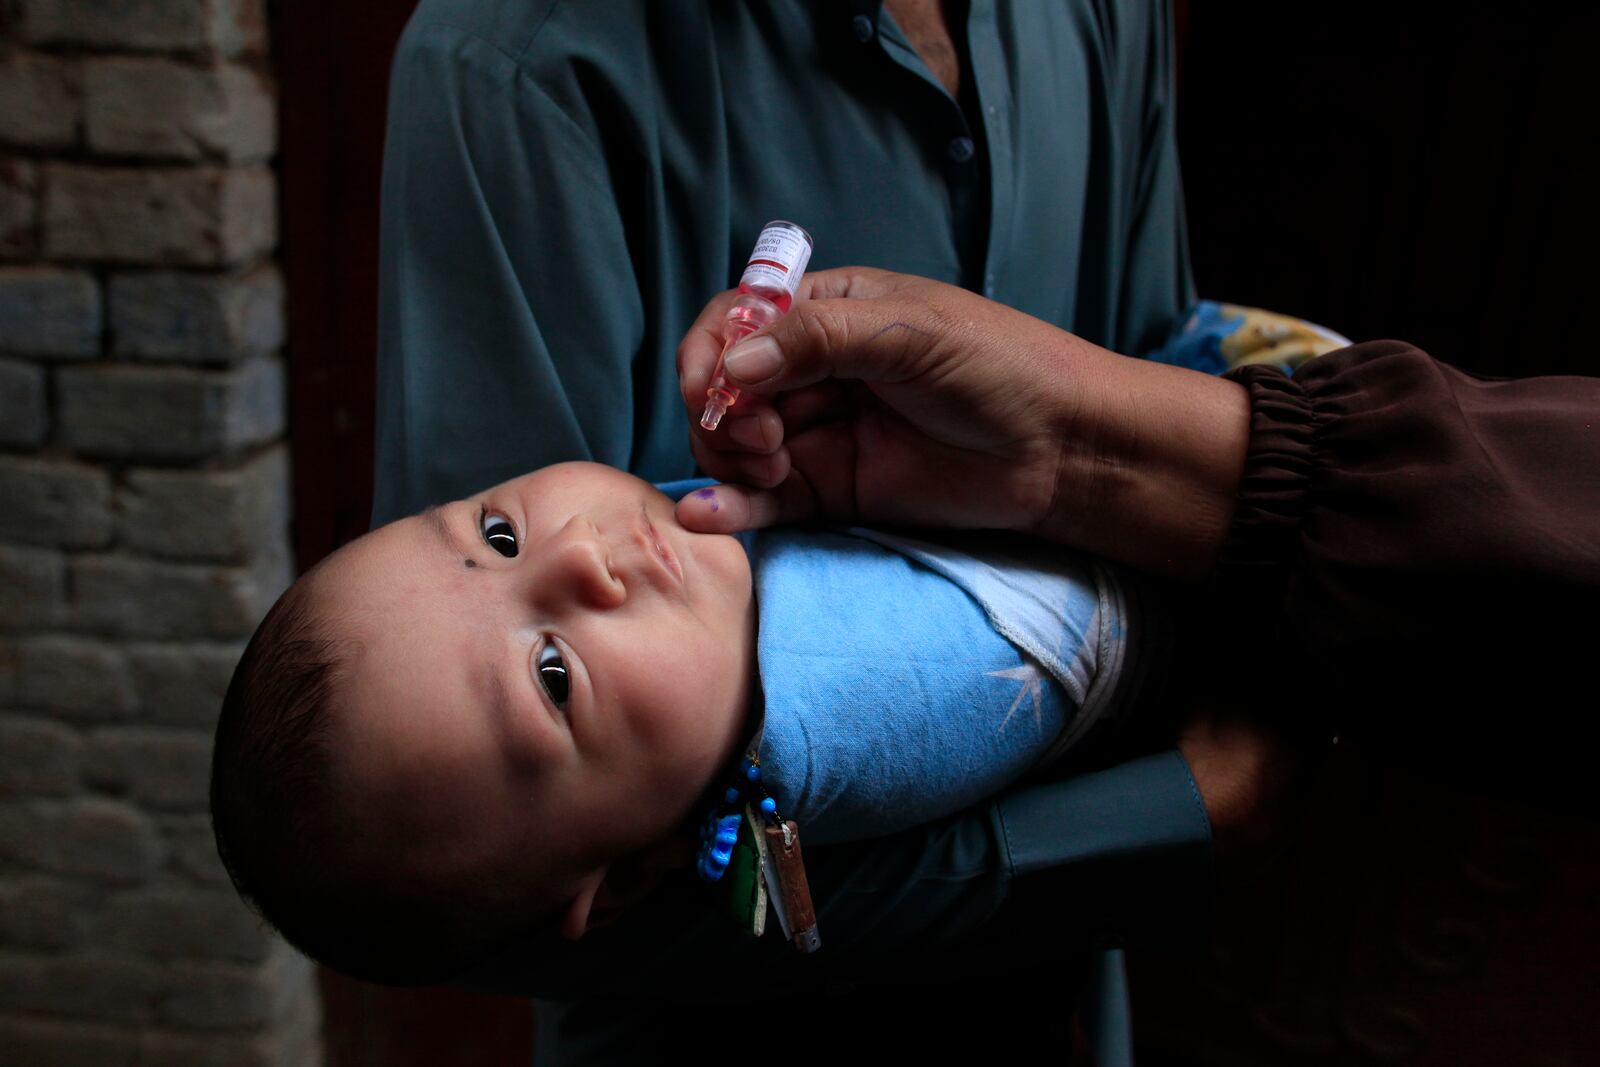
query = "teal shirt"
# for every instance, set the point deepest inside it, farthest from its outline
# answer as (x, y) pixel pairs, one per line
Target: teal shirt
(567, 184)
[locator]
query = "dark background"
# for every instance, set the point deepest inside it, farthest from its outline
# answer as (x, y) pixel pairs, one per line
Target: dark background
(1414, 171)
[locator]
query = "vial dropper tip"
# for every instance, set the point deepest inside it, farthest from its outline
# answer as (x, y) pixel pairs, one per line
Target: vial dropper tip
(713, 415)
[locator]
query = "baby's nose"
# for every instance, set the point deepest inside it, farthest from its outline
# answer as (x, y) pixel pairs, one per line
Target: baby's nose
(580, 565)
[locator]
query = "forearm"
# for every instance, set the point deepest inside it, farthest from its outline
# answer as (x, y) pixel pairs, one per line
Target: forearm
(1150, 459)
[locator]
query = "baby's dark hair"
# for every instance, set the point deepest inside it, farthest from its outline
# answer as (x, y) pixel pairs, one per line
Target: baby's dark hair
(280, 810)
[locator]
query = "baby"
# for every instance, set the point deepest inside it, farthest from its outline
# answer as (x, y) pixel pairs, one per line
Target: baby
(515, 709)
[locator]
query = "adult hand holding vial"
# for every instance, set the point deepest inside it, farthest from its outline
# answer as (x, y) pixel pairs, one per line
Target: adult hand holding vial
(766, 291)
(886, 398)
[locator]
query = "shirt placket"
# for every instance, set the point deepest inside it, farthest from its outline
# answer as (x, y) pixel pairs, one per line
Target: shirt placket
(959, 147)
(990, 78)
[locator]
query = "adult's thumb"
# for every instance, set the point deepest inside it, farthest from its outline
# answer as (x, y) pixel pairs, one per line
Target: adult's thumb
(755, 360)
(833, 338)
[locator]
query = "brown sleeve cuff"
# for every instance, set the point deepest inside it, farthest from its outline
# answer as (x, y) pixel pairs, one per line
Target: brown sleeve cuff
(1275, 490)
(1387, 496)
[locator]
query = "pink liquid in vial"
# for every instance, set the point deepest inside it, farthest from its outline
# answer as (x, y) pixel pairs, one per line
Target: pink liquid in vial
(757, 306)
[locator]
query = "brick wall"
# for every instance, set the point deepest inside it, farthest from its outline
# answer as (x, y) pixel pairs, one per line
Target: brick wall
(143, 526)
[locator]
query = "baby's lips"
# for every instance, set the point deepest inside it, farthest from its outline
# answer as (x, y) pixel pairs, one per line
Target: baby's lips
(660, 549)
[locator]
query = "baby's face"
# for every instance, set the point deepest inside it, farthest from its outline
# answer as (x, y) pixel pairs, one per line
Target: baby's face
(553, 667)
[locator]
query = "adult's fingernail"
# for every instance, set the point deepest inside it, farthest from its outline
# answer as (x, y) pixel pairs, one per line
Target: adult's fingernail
(754, 360)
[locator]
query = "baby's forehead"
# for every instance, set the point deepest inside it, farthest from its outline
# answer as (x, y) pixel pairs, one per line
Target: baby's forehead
(368, 559)
(367, 593)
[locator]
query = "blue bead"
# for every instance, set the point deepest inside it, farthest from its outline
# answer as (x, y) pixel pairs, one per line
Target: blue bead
(728, 838)
(731, 796)
(768, 805)
(752, 771)
(721, 856)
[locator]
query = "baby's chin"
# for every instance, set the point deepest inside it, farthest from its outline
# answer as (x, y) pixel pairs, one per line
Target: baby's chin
(724, 554)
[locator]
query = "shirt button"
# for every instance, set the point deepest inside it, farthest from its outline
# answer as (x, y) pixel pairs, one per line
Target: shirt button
(863, 27)
(960, 149)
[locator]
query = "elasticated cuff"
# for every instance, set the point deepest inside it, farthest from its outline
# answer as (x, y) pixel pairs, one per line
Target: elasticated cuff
(1275, 491)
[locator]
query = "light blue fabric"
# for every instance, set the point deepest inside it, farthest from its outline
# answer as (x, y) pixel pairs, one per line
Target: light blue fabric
(892, 694)
(1066, 611)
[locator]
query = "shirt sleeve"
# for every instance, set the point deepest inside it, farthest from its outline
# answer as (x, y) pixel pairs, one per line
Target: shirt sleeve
(495, 354)
(1429, 542)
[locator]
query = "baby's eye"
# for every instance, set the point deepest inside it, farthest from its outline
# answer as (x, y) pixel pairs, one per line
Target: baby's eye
(553, 674)
(500, 535)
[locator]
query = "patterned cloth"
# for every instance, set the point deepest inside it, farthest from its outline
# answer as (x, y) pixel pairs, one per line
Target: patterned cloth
(1217, 338)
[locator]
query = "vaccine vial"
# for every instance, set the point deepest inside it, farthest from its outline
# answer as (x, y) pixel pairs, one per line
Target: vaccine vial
(766, 291)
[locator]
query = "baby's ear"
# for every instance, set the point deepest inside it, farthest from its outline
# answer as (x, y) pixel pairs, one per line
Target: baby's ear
(580, 914)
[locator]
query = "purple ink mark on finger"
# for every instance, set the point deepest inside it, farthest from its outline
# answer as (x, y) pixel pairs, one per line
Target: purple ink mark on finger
(707, 493)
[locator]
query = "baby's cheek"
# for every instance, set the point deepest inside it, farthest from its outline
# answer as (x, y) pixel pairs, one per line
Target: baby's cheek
(693, 712)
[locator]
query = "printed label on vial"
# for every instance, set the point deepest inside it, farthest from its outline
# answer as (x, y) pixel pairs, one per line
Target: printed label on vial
(779, 260)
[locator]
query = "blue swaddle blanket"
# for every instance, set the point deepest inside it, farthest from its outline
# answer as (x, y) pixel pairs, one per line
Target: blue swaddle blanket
(904, 680)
